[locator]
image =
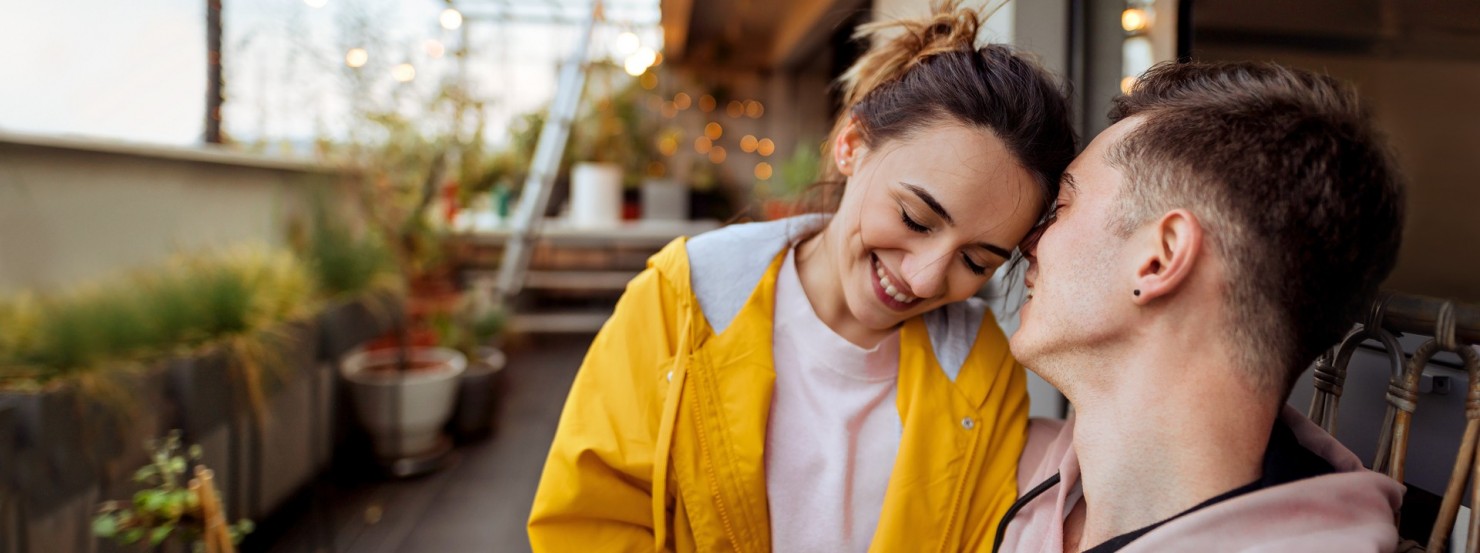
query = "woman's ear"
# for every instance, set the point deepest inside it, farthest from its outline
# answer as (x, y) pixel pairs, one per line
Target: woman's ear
(1177, 239)
(847, 147)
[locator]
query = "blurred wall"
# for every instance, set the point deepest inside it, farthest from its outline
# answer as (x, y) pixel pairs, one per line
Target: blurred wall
(998, 28)
(1428, 109)
(73, 211)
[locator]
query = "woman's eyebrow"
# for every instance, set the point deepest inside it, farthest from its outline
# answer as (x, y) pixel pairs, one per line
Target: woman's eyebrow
(999, 250)
(940, 210)
(929, 202)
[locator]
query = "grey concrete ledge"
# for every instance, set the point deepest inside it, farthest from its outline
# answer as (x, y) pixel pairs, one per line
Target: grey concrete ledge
(200, 154)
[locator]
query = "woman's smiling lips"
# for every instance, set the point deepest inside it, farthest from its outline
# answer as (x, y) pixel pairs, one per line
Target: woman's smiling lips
(887, 290)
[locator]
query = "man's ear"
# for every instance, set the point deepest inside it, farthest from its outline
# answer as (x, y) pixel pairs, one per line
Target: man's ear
(1177, 241)
(847, 147)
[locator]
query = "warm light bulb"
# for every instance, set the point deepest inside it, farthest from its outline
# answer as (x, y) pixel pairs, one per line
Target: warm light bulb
(1133, 20)
(434, 48)
(634, 66)
(763, 171)
(668, 145)
(1127, 84)
(765, 147)
(754, 109)
(403, 73)
(682, 101)
(356, 57)
(647, 56)
(748, 143)
(713, 131)
(627, 43)
(450, 19)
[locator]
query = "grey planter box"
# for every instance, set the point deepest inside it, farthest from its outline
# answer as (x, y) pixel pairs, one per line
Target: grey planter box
(57, 469)
(61, 453)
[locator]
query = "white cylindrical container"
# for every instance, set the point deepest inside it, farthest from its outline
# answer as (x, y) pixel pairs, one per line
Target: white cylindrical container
(664, 200)
(595, 195)
(404, 411)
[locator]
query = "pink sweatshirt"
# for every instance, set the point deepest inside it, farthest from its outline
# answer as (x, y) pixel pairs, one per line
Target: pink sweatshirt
(834, 429)
(1350, 510)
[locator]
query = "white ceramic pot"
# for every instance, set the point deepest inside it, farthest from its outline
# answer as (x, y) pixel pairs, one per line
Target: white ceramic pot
(664, 200)
(596, 195)
(404, 412)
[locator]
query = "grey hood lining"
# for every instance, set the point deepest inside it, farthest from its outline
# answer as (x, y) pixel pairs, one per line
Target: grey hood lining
(726, 265)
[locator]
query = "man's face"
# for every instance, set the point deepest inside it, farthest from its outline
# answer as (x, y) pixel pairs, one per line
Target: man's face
(1078, 271)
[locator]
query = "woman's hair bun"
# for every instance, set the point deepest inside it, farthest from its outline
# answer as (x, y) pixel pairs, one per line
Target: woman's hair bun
(948, 28)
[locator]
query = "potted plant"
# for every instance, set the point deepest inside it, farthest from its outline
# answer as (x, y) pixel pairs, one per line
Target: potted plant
(602, 139)
(473, 330)
(354, 272)
(171, 513)
(404, 396)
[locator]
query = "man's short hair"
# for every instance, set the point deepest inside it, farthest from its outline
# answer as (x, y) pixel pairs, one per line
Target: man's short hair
(1295, 188)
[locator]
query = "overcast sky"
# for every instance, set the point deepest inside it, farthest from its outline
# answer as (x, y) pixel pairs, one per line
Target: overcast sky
(135, 70)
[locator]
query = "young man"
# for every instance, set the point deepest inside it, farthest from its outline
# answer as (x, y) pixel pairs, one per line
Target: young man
(1204, 250)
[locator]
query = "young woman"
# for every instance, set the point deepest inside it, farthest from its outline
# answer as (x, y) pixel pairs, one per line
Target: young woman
(828, 383)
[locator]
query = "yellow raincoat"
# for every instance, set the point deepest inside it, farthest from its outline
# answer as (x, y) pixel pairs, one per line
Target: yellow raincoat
(660, 445)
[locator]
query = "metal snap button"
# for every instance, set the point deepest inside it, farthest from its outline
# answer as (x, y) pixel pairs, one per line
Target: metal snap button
(670, 376)
(968, 423)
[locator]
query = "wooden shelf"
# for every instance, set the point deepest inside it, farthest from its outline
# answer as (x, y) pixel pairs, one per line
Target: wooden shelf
(559, 323)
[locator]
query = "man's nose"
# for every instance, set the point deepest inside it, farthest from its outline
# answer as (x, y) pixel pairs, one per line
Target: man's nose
(1029, 246)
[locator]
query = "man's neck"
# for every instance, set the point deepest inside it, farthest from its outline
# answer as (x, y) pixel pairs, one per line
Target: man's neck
(1184, 427)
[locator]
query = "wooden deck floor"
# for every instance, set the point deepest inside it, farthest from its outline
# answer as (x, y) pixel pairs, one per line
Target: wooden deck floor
(480, 504)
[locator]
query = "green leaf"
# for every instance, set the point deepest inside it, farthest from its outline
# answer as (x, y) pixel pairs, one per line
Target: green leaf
(158, 535)
(105, 526)
(241, 529)
(177, 465)
(145, 473)
(132, 536)
(144, 498)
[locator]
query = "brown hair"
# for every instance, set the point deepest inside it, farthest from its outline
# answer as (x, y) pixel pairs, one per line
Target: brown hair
(932, 73)
(1293, 183)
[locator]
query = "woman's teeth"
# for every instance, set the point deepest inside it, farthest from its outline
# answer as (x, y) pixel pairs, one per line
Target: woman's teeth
(889, 288)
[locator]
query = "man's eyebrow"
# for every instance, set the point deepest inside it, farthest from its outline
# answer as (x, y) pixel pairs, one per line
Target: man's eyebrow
(1067, 181)
(929, 202)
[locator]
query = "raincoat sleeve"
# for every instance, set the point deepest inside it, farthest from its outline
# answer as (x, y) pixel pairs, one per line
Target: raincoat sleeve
(595, 494)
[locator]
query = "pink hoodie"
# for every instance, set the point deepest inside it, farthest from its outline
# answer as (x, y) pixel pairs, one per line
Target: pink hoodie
(1350, 510)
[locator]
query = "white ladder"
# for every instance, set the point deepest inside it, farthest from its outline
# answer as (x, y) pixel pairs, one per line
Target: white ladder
(529, 215)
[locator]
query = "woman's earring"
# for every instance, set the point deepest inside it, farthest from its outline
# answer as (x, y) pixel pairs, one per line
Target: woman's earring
(1137, 292)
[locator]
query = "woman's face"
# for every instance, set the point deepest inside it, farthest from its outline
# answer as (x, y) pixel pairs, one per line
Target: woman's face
(925, 219)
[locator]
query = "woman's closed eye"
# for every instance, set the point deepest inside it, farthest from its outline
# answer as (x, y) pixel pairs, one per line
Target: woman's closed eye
(911, 224)
(972, 265)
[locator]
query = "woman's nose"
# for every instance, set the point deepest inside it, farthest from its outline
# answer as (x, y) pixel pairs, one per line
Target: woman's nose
(926, 273)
